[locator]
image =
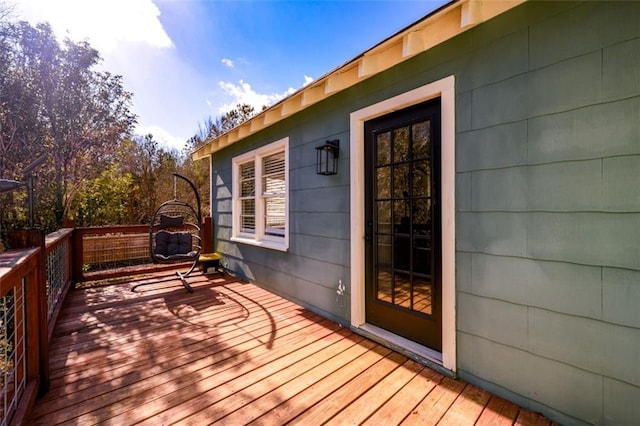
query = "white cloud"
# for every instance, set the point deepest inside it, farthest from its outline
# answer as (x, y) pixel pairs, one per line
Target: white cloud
(106, 24)
(133, 43)
(227, 62)
(307, 81)
(162, 136)
(243, 93)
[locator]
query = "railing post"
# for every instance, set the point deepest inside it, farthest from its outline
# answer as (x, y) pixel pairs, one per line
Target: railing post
(73, 273)
(77, 256)
(43, 311)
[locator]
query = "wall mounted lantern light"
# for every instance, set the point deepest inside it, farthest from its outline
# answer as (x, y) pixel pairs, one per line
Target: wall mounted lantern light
(327, 158)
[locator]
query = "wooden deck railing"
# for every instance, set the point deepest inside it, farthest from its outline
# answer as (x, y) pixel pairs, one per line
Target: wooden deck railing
(24, 341)
(35, 277)
(59, 272)
(102, 252)
(114, 251)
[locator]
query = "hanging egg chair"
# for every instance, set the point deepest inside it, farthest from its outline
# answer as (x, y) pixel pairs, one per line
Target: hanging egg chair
(175, 233)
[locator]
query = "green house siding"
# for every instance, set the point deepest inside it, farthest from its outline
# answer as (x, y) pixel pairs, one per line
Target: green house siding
(547, 205)
(548, 222)
(318, 256)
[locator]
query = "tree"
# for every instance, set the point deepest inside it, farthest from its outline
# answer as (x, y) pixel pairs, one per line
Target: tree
(54, 101)
(20, 126)
(152, 168)
(211, 128)
(105, 200)
(87, 117)
(18, 104)
(214, 127)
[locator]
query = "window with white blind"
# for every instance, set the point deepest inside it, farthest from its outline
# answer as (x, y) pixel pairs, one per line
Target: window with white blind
(261, 196)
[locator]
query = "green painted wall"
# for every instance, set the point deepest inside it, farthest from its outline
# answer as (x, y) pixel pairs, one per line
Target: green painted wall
(548, 205)
(318, 256)
(548, 221)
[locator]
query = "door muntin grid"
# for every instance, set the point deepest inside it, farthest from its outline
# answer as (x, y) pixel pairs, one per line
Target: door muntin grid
(403, 216)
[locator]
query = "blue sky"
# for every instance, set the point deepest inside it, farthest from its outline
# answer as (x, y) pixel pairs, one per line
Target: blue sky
(186, 60)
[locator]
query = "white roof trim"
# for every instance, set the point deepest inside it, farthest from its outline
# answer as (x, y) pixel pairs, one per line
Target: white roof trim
(441, 25)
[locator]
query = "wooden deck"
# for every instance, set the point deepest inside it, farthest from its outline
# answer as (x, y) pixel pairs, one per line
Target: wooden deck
(234, 353)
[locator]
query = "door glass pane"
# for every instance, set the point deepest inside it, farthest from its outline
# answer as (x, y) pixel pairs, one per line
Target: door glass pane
(422, 256)
(402, 290)
(421, 179)
(384, 216)
(422, 295)
(384, 251)
(401, 181)
(402, 253)
(421, 216)
(401, 144)
(421, 140)
(401, 220)
(383, 148)
(385, 288)
(383, 182)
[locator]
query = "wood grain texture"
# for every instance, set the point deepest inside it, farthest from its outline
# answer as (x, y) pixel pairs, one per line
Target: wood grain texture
(233, 353)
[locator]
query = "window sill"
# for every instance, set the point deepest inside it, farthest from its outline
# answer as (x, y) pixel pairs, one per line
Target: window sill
(264, 244)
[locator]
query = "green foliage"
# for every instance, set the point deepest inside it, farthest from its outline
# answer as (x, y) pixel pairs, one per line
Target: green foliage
(107, 199)
(211, 128)
(152, 167)
(54, 101)
(131, 187)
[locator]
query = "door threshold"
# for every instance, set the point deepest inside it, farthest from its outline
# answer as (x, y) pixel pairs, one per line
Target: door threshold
(422, 354)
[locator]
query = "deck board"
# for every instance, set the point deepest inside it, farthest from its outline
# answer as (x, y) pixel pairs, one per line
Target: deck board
(233, 353)
(436, 403)
(315, 393)
(397, 408)
(359, 410)
(498, 412)
(467, 407)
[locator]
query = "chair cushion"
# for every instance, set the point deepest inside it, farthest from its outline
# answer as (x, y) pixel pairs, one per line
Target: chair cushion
(183, 243)
(162, 243)
(172, 243)
(167, 221)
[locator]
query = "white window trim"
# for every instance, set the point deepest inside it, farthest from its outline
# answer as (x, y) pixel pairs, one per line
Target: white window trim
(259, 238)
(445, 90)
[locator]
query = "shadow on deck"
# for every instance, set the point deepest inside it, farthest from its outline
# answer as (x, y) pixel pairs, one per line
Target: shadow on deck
(234, 353)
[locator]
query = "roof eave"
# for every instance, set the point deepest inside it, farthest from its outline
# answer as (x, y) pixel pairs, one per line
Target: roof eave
(439, 26)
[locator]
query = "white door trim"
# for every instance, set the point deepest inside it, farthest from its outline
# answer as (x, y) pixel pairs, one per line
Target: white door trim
(445, 90)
